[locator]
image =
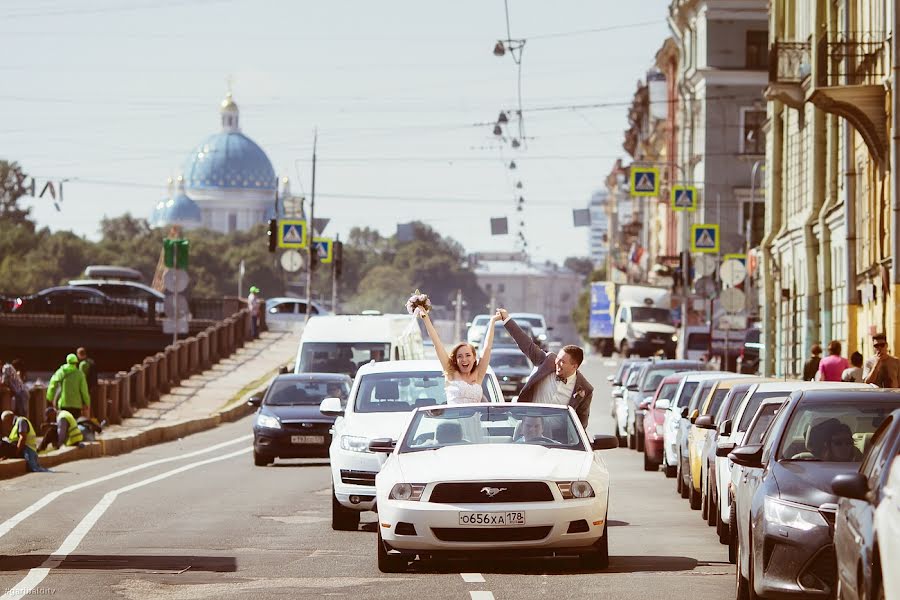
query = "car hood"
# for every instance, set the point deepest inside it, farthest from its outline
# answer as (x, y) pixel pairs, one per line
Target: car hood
(493, 462)
(642, 327)
(512, 371)
(375, 425)
(809, 482)
(308, 413)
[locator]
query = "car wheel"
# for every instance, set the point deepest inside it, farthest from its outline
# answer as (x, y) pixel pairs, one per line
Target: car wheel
(389, 563)
(343, 519)
(624, 350)
(693, 495)
(713, 503)
(679, 480)
(632, 441)
(721, 525)
(741, 583)
(704, 500)
(751, 580)
(669, 469)
(599, 558)
(732, 533)
(649, 465)
(260, 460)
(640, 441)
(623, 441)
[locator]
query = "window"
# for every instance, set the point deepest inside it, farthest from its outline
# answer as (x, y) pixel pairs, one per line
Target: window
(753, 139)
(232, 222)
(501, 288)
(565, 297)
(757, 47)
(753, 211)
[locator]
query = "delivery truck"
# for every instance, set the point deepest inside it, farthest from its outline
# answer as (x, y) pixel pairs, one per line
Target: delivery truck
(631, 319)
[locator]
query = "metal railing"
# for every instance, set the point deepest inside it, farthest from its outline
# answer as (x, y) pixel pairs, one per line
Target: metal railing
(855, 58)
(789, 62)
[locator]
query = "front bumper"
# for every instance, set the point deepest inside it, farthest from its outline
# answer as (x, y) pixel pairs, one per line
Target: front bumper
(796, 562)
(353, 477)
(435, 523)
(278, 443)
(646, 347)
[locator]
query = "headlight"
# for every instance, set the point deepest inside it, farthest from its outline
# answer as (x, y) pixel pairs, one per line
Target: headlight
(674, 338)
(268, 421)
(354, 443)
(542, 337)
(575, 489)
(407, 491)
(795, 516)
(639, 335)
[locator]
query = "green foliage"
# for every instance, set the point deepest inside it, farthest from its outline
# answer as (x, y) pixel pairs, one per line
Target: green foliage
(12, 187)
(581, 265)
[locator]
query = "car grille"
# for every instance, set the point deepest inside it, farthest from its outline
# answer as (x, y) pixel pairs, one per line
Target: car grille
(517, 534)
(307, 428)
(358, 477)
(477, 493)
(658, 337)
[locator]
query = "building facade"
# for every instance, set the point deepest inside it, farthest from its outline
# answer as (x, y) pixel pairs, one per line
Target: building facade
(598, 238)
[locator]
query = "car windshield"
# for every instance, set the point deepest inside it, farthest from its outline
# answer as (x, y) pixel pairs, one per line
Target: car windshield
(653, 378)
(503, 338)
(667, 391)
(336, 357)
(516, 361)
(687, 391)
(632, 378)
(532, 321)
(833, 431)
(716, 402)
(307, 393)
(403, 391)
(753, 405)
(701, 393)
(480, 321)
(645, 314)
(492, 424)
(737, 394)
(763, 419)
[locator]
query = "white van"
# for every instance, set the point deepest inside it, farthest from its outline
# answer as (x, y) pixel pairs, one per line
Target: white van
(343, 343)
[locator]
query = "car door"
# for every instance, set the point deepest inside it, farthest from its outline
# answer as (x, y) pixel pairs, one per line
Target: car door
(621, 327)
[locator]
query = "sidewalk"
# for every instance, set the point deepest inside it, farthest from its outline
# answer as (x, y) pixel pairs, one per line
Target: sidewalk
(202, 402)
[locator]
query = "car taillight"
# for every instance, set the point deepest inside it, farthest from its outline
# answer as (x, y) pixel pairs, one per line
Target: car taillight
(17, 303)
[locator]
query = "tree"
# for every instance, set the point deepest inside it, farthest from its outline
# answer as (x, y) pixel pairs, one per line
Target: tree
(581, 265)
(12, 187)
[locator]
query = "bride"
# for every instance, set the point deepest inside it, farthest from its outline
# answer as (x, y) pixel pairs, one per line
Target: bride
(462, 368)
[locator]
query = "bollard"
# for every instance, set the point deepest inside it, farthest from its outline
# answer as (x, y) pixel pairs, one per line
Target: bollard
(125, 385)
(112, 401)
(174, 375)
(6, 399)
(151, 379)
(139, 391)
(37, 402)
(194, 355)
(99, 409)
(203, 350)
(162, 372)
(184, 356)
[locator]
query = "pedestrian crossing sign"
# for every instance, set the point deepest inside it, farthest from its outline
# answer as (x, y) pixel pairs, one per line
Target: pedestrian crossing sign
(324, 248)
(684, 198)
(644, 181)
(705, 238)
(291, 233)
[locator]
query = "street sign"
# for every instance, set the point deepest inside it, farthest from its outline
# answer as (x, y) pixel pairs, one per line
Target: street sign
(171, 326)
(684, 198)
(732, 272)
(499, 226)
(175, 253)
(292, 233)
(581, 217)
(291, 261)
(176, 280)
(733, 300)
(169, 305)
(704, 265)
(705, 238)
(324, 247)
(644, 181)
(706, 287)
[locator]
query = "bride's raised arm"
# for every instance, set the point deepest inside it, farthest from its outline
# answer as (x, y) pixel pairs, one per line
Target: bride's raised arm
(485, 360)
(438, 346)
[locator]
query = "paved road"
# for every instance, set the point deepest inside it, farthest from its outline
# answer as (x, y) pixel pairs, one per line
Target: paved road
(191, 521)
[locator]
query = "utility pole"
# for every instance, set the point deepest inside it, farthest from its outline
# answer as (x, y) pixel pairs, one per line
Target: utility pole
(334, 279)
(458, 322)
(310, 232)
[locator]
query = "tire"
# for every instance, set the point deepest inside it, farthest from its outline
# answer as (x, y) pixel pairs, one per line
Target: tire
(704, 500)
(632, 441)
(693, 495)
(721, 526)
(624, 349)
(751, 587)
(732, 533)
(669, 469)
(640, 441)
(606, 349)
(742, 585)
(389, 563)
(623, 441)
(649, 465)
(679, 480)
(713, 502)
(343, 519)
(599, 558)
(260, 460)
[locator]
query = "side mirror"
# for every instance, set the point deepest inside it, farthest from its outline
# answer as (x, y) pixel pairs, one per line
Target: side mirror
(469, 324)
(385, 445)
(704, 422)
(273, 311)
(693, 416)
(632, 388)
(684, 412)
(725, 427)
(332, 407)
(644, 405)
(604, 442)
(724, 449)
(617, 393)
(663, 404)
(851, 485)
(610, 378)
(255, 399)
(283, 369)
(747, 456)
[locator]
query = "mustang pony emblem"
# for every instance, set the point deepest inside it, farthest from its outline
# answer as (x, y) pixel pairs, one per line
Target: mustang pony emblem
(492, 491)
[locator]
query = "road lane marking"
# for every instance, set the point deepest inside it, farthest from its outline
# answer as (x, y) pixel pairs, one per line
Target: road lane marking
(472, 577)
(37, 575)
(9, 524)
(481, 595)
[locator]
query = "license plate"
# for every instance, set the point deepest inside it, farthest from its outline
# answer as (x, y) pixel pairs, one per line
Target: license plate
(307, 439)
(659, 341)
(491, 519)
(509, 386)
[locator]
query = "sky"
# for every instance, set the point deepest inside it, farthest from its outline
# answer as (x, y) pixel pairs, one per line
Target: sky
(113, 95)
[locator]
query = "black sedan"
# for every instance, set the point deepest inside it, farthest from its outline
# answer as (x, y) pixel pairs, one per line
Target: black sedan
(74, 300)
(512, 369)
(859, 561)
(786, 545)
(288, 423)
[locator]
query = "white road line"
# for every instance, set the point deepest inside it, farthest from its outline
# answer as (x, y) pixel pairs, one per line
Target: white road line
(472, 577)
(9, 524)
(482, 595)
(37, 575)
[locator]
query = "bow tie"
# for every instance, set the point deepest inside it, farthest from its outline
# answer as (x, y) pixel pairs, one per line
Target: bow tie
(562, 379)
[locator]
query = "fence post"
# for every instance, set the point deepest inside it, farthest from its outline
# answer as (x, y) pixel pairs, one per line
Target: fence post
(99, 408)
(151, 378)
(194, 355)
(113, 389)
(139, 397)
(125, 385)
(173, 368)
(203, 350)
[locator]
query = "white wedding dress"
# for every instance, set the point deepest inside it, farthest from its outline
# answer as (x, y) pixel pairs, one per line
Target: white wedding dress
(462, 392)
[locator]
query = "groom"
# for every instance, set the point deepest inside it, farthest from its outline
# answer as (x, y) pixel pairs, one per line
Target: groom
(557, 379)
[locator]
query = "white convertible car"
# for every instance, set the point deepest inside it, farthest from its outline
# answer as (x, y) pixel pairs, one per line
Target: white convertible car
(509, 479)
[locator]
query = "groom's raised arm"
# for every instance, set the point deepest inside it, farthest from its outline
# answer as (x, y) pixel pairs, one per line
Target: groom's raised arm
(523, 340)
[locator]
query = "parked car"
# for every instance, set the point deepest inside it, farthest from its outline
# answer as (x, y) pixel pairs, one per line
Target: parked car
(113, 272)
(512, 369)
(887, 534)
(693, 343)
(618, 381)
(75, 300)
(282, 313)
(487, 480)
(862, 566)
(749, 357)
(288, 423)
(538, 326)
(502, 338)
(130, 292)
(655, 418)
(785, 529)
(683, 395)
(379, 405)
(477, 328)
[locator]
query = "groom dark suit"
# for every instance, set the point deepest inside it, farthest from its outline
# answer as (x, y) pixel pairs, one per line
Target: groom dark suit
(583, 392)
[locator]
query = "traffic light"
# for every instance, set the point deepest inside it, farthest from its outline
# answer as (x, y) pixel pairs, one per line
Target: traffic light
(272, 233)
(337, 257)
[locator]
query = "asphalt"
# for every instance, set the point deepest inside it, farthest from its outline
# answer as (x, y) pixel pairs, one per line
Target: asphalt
(225, 529)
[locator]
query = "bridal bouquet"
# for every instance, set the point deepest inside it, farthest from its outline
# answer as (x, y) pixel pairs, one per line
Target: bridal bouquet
(418, 304)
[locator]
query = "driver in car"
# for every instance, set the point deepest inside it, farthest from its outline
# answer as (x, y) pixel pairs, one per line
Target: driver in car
(532, 430)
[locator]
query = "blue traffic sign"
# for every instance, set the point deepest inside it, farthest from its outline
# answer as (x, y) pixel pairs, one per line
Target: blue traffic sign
(291, 233)
(644, 181)
(705, 238)
(324, 247)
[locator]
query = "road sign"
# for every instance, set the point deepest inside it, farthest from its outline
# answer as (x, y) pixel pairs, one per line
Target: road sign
(292, 233)
(705, 238)
(684, 198)
(325, 249)
(704, 265)
(732, 272)
(644, 181)
(291, 261)
(706, 287)
(733, 300)
(172, 326)
(175, 253)
(169, 305)
(175, 280)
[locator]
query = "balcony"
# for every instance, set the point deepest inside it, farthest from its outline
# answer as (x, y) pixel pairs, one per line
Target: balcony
(850, 71)
(790, 65)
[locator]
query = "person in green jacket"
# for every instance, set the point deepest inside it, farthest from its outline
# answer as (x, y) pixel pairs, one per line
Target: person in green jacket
(69, 382)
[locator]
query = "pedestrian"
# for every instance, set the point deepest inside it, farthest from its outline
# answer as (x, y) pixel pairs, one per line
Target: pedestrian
(253, 303)
(60, 425)
(68, 389)
(21, 440)
(882, 369)
(854, 372)
(9, 376)
(832, 366)
(87, 366)
(811, 367)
